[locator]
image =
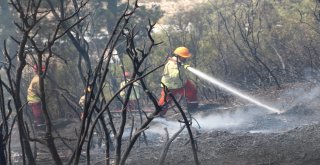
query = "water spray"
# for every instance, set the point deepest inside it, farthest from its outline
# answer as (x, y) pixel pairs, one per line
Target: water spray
(230, 89)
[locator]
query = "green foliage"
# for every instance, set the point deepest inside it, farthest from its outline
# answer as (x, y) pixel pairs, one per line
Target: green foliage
(246, 41)
(238, 41)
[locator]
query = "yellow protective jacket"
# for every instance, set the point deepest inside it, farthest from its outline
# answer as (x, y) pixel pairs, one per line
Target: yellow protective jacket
(34, 90)
(82, 101)
(135, 93)
(173, 76)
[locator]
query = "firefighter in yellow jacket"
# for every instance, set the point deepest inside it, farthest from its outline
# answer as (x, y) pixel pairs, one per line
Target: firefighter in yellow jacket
(83, 100)
(33, 97)
(175, 79)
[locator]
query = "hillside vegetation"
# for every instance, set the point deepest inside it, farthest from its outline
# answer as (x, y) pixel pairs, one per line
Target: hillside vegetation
(261, 47)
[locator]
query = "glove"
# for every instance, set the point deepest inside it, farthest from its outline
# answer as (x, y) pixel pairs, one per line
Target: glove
(186, 66)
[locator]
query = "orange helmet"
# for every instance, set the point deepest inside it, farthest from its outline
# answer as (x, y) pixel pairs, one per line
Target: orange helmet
(182, 52)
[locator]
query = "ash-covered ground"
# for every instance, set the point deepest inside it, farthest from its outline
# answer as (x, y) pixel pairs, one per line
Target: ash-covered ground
(239, 134)
(229, 134)
(242, 136)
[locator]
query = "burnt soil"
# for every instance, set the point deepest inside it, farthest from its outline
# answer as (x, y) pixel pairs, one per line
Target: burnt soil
(246, 134)
(233, 133)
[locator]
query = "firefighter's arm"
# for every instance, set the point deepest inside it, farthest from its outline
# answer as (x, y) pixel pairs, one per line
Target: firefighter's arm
(186, 66)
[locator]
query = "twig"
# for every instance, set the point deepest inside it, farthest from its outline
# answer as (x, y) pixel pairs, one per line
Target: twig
(168, 143)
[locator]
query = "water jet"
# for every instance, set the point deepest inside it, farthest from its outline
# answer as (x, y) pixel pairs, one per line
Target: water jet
(231, 89)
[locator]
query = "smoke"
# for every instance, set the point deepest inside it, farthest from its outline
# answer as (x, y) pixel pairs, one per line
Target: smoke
(223, 121)
(299, 105)
(299, 96)
(230, 119)
(160, 124)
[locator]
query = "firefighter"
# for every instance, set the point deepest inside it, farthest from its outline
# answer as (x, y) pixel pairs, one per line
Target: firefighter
(33, 97)
(135, 92)
(174, 78)
(83, 99)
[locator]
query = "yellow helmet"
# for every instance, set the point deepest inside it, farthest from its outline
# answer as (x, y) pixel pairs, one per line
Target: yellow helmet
(182, 52)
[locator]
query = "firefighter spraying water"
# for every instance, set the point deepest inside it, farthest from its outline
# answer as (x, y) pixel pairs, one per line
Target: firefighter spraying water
(230, 89)
(174, 80)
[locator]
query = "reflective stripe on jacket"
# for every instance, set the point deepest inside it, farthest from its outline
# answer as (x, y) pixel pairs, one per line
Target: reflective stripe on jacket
(174, 76)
